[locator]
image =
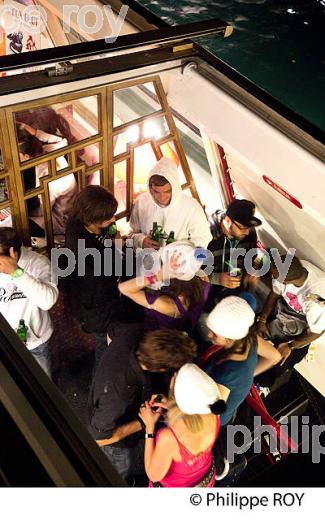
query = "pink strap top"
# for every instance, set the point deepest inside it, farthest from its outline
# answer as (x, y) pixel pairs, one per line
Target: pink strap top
(192, 468)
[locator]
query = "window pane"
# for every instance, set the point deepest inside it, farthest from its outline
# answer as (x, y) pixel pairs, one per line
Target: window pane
(31, 176)
(62, 193)
(93, 178)
(153, 129)
(120, 185)
(5, 217)
(188, 192)
(36, 222)
(123, 140)
(144, 160)
(134, 102)
(62, 162)
(46, 129)
(4, 195)
(90, 155)
(169, 150)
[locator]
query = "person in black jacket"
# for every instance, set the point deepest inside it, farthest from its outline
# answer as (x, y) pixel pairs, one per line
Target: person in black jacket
(232, 229)
(234, 235)
(92, 287)
(122, 383)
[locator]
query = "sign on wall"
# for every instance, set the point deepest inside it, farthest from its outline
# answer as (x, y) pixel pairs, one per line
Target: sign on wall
(282, 191)
(23, 27)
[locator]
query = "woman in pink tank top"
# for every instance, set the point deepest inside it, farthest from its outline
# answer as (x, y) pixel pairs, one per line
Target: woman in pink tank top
(181, 454)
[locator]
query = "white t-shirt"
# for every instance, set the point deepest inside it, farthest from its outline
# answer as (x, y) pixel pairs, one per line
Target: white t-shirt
(30, 297)
(300, 300)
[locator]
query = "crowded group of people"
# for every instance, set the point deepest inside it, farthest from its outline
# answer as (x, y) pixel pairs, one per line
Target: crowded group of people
(178, 347)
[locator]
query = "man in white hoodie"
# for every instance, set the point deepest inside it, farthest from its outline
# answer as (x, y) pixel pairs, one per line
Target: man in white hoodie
(166, 204)
(27, 293)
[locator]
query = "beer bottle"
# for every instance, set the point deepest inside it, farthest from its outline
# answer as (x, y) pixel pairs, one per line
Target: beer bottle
(170, 238)
(22, 331)
(112, 230)
(156, 232)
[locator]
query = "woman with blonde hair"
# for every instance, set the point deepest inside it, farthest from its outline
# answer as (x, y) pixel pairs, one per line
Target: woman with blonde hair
(181, 454)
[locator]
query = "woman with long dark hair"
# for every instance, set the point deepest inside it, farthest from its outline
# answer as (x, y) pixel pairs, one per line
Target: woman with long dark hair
(47, 120)
(243, 354)
(179, 301)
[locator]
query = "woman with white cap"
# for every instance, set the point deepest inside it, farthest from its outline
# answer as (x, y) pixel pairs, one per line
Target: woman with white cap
(181, 454)
(244, 354)
(179, 302)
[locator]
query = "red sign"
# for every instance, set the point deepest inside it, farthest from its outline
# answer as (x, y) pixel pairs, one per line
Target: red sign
(282, 191)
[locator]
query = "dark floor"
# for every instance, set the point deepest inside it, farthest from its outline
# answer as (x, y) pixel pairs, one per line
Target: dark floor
(72, 358)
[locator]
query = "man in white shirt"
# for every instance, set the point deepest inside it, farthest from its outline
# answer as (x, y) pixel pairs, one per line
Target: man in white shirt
(166, 204)
(298, 304)
(27, 293)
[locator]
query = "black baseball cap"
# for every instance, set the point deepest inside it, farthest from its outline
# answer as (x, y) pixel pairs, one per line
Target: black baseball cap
(242, 211)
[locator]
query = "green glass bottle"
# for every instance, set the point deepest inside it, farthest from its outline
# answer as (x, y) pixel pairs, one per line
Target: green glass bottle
(156, 232)
(22, 331)
(170, 238)
(112, 230)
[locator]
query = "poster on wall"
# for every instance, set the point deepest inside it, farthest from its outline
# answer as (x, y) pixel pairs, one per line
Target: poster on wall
(22, 27)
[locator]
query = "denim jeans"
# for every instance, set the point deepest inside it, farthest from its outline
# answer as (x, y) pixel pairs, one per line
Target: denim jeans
(121, 458)
(42, 355)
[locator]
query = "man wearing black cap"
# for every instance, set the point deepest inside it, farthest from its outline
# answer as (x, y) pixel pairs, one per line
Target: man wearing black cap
(231, 229)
